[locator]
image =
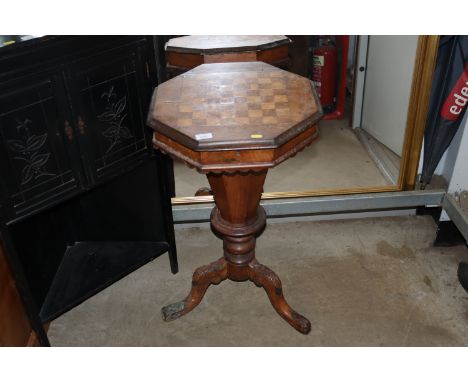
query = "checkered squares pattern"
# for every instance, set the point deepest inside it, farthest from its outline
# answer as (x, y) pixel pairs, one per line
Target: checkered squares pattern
(235, 104)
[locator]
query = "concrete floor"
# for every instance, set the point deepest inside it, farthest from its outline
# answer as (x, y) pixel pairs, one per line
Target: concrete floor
(337, 160)
(366, 282)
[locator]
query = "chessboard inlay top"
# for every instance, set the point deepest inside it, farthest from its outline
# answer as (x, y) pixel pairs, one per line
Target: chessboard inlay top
(231, 105)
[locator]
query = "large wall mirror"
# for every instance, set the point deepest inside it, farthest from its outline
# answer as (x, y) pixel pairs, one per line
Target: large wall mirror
(375, 145)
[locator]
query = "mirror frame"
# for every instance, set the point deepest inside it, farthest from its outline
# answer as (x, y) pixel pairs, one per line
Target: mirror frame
(424, 66)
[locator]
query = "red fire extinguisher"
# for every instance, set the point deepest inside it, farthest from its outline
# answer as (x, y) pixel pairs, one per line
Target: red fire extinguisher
(324, 73)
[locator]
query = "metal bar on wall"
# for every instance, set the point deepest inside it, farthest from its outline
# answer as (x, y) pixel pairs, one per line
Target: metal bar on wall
(322, 204)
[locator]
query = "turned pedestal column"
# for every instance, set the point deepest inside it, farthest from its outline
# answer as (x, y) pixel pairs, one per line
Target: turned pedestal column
(233, 122)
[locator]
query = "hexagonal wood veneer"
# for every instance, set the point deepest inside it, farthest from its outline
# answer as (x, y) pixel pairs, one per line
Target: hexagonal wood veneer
(249, 113)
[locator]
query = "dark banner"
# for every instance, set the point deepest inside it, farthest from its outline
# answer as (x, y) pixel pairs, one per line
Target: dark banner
(449, 98)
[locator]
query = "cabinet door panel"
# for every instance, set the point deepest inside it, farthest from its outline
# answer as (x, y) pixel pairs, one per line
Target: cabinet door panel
(35, 137)
(110, 92)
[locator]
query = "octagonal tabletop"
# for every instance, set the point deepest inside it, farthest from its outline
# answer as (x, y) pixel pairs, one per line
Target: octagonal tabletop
(234, 106)
(221, 44)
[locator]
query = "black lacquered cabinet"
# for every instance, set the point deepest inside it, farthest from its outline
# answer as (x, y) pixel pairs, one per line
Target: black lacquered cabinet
(84, 199)
(110, 93)
(78, 122)
(36, 158)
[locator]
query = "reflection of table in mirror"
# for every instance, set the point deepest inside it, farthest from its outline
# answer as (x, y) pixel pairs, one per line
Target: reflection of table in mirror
(234, 121)
(187, 52)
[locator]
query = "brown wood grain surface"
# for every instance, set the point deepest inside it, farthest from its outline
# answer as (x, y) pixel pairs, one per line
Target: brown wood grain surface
(179, 62)
(235, 160)
(234, 106)
(216, 44)
(15, 329)
(233, 121)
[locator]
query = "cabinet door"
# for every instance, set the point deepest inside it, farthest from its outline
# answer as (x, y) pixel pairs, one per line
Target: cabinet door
(110, 95)
(36, 144)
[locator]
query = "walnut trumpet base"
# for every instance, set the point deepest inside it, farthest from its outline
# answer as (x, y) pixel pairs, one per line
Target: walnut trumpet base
(238, 219)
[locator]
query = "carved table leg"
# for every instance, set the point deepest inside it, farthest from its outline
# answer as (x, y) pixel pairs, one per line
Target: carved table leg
(202, 278)
(264, 277)
(238, 219)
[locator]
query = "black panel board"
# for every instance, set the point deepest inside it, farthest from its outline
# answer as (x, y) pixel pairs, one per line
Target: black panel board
(89, 267)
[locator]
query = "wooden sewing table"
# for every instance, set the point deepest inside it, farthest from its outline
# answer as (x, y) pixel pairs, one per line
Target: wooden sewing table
(233, 121)
(187, 52)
